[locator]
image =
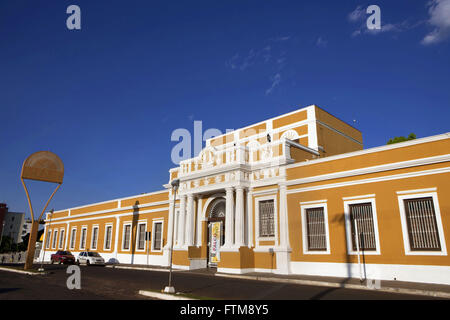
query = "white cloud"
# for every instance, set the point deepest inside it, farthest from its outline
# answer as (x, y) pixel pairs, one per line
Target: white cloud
(357, 15)
(276, 79)
(320, 42)
(440, 19)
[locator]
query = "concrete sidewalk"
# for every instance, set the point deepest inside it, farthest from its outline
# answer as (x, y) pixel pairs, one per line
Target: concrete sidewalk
(413, 288)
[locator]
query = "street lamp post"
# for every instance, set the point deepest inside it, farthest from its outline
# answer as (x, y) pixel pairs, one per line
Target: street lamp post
(44, 243)
(175, 184)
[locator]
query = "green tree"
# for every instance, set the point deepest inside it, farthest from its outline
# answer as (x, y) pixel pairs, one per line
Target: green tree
(411, 136)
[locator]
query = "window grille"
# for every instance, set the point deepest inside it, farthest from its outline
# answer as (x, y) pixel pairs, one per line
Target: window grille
(315, 228)
(72, 238)
(266, 218)
(141, 243)
(108, 237)
(422, 226)
(61, 239)
(126, 237)
(94, 237)
(158, 236)
(362, 213)
(83, 239)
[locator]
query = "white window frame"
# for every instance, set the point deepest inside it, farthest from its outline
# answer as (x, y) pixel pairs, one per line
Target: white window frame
(303, 207)
(123, 236)
(155, 221)
(81, 238)
(401, 195)
(55, 239)
(110, 237)
(75, 240)
(95, 226)
(62, 232)
(275, 221)
(348, 229)
(138, 236)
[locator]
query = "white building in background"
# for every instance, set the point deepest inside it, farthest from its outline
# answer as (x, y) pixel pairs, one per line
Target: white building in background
(14, 223)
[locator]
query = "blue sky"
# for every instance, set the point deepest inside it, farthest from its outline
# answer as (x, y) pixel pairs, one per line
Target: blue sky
(107, 98)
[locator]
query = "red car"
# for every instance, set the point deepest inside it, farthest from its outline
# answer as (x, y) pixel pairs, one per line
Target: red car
(62, 257)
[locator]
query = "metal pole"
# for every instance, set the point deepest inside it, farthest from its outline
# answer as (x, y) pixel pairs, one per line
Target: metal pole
(357, 248)
(175, 185)
(45, 240)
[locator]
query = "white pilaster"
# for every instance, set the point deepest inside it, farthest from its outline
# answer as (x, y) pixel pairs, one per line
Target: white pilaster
(283, 251)
(249, 217)
(199, 222)
(170, 227)
(116, 238)
(229, 218)
(189, 231)
(239, 227)
(181, 221)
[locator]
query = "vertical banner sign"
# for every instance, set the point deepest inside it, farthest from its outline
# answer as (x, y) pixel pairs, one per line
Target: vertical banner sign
(215, 241)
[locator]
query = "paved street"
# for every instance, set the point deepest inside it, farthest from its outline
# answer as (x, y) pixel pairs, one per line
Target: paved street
(108, 283)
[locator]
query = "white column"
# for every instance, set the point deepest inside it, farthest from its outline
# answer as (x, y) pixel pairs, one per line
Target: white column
(181, 220)
(283, 251)
(239, 227)
(189, 231)
(229, 218)
(249, 218)
(199, 221)
(116, 237)
(67, 237)
(171, 224)
(284, 227)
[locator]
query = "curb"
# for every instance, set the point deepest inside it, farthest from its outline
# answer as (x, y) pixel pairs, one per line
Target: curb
(162, 296)
(22, 271)
(438, 294)
(139, 268)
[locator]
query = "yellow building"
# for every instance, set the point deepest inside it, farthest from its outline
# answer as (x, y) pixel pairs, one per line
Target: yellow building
(295, 194)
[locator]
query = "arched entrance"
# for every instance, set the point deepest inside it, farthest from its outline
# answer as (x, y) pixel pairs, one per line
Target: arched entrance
(216, 230)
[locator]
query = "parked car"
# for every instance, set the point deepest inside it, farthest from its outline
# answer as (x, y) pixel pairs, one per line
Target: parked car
(62, 257)
(90, 257)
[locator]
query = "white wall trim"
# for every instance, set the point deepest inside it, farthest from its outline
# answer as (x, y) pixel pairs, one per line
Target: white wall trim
(371, 180)
(412, 273)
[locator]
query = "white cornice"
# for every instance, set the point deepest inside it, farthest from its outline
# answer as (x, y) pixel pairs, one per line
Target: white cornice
(373, 169)
(372, 150)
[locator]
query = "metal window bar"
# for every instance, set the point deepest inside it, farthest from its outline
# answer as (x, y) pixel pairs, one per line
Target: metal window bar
(94, 238)
(362, 212)
(55, 239)
(108, 237)
(47, 241)
(158, 234)
(61, 239)
(266, 218)
(126, 239)
(141, 244)
(83, 239)
(72, 239)
(422, 225)
(316, 234)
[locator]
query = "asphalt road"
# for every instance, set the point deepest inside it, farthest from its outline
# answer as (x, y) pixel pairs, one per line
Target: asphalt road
(119, 284)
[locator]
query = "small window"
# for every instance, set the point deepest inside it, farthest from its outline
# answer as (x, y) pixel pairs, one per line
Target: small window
(47, 241)
(83, 238)
(72, 238)
(362, 213)
(126, 237)
(157, 236)
(94, 237)
(55, 239)
(266, 218)
(315, 229)
(141, 237)
(61, 239)
(421, 223)
(108, 237)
